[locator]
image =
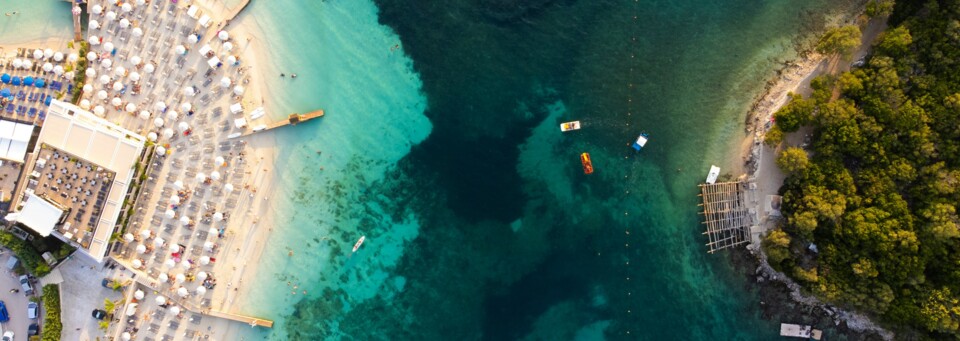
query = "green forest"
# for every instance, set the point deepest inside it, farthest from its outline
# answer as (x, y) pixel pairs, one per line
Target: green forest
(870, 207)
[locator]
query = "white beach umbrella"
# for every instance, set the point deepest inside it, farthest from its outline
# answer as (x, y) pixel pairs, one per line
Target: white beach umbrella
(161, 151)
(218, 216)
(225, 82)
(185, 264)
(172, 115)
(136, 60)
(160, 299)
(170, 214)
(148, 68)
(99, 110)
(111, 15)
(104, 79)
(68, 75)
(163, 278)
(116, 101)
(174, 248)
(47, 67)
(208, 246)
(139, 294)
(219, 161)
(204, 260)
(145, 233)
(73, 57)
(58, 56)
(169, 263)
(228, 188)
(137, 32)
(227, 46)
(193, 39)
(238, 90)
(213, 231)
(27, 64)
(120, 71)
(141, 248)
(17, 63)
(58, 70)
(183, 127)
(38, 54)
(201, 290)
(117, 86)
(135, 76)
(158, 242)
(106, 62)
(184, 220)
(47, 53)
(189, 91)
(175, 310)
(132, 309)
(152, 136)
(126, 336)
(202, 275)
(137, 263)
(141, 2)
(97, 9)
(178, 184)
(180, 49)
(201, 177)
(160, 105)
(223, 35)
(94, 40)
(108, 46)
(167, 133)
(102, 94)
(90, 72)
(94, 24)
(215, 175)
(186, 106)
(144, 115)
(231, 60)
(128, 237)
(91, 56)
(126, 7)
(85, 103)
(131, 107)
(124, 23)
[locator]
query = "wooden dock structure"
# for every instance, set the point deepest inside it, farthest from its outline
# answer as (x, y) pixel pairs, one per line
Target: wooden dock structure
(726, 214)
(252, 321)
(291, 120)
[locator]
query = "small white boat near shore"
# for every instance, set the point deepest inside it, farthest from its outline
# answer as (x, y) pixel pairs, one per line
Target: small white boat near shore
(257, 113)
(568, 126)
(714, 173)
(234, 135)
(359, 242)
(260, 127)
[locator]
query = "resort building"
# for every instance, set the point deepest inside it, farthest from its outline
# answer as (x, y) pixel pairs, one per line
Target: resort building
(76, 180)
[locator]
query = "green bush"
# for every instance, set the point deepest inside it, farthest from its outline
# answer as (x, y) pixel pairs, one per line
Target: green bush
(27, 254)
(52, 326)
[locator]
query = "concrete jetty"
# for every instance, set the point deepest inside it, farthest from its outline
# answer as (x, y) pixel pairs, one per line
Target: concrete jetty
(293, 119)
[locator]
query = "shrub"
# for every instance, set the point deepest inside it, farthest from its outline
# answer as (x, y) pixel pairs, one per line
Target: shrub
(52, 326)
(27, 254)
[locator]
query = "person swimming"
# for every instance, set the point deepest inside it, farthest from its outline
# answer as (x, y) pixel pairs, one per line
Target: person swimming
(283, 75)
(293, 75)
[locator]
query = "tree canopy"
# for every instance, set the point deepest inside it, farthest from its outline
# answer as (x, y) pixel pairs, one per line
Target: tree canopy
(878, 193)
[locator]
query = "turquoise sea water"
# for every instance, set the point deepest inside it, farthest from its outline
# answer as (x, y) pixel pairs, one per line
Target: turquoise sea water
(36, 19)
(441, 145)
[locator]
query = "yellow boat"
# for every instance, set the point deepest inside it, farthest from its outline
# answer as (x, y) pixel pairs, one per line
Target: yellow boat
(587, 164)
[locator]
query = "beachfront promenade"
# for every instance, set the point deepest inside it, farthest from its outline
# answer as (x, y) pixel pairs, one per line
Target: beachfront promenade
(168, 71)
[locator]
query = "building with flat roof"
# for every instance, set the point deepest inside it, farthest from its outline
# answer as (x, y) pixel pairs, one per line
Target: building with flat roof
(13, 140)
(83, 165)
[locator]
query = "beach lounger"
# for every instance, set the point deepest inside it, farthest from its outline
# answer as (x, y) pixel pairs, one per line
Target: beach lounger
(43, 96)
(32, 112)
(21, 110)
(21, 95)
(10, 108)
(42, 114)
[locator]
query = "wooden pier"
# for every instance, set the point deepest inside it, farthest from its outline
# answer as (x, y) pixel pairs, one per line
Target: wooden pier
(726, 214)
(291, 120)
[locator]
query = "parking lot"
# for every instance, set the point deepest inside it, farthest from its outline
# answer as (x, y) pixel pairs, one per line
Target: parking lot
(81, 293)
(16, 302)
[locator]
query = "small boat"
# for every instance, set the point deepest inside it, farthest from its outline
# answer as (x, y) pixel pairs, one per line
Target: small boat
(359, 242)
(640, 142)
(234, 135)
(714, 173)
(260, 127)
(587, 164)
(257, 113)
(568, 126)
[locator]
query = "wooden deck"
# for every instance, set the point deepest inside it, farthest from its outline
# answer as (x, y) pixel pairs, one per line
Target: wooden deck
(291, 120)
(726, 214)
(252, 321)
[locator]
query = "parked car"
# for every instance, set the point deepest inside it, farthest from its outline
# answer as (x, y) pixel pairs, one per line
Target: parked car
(25, 284)
(4, 317)
(8, 336)
(99, 314)
(32, 310)
(34, 329)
